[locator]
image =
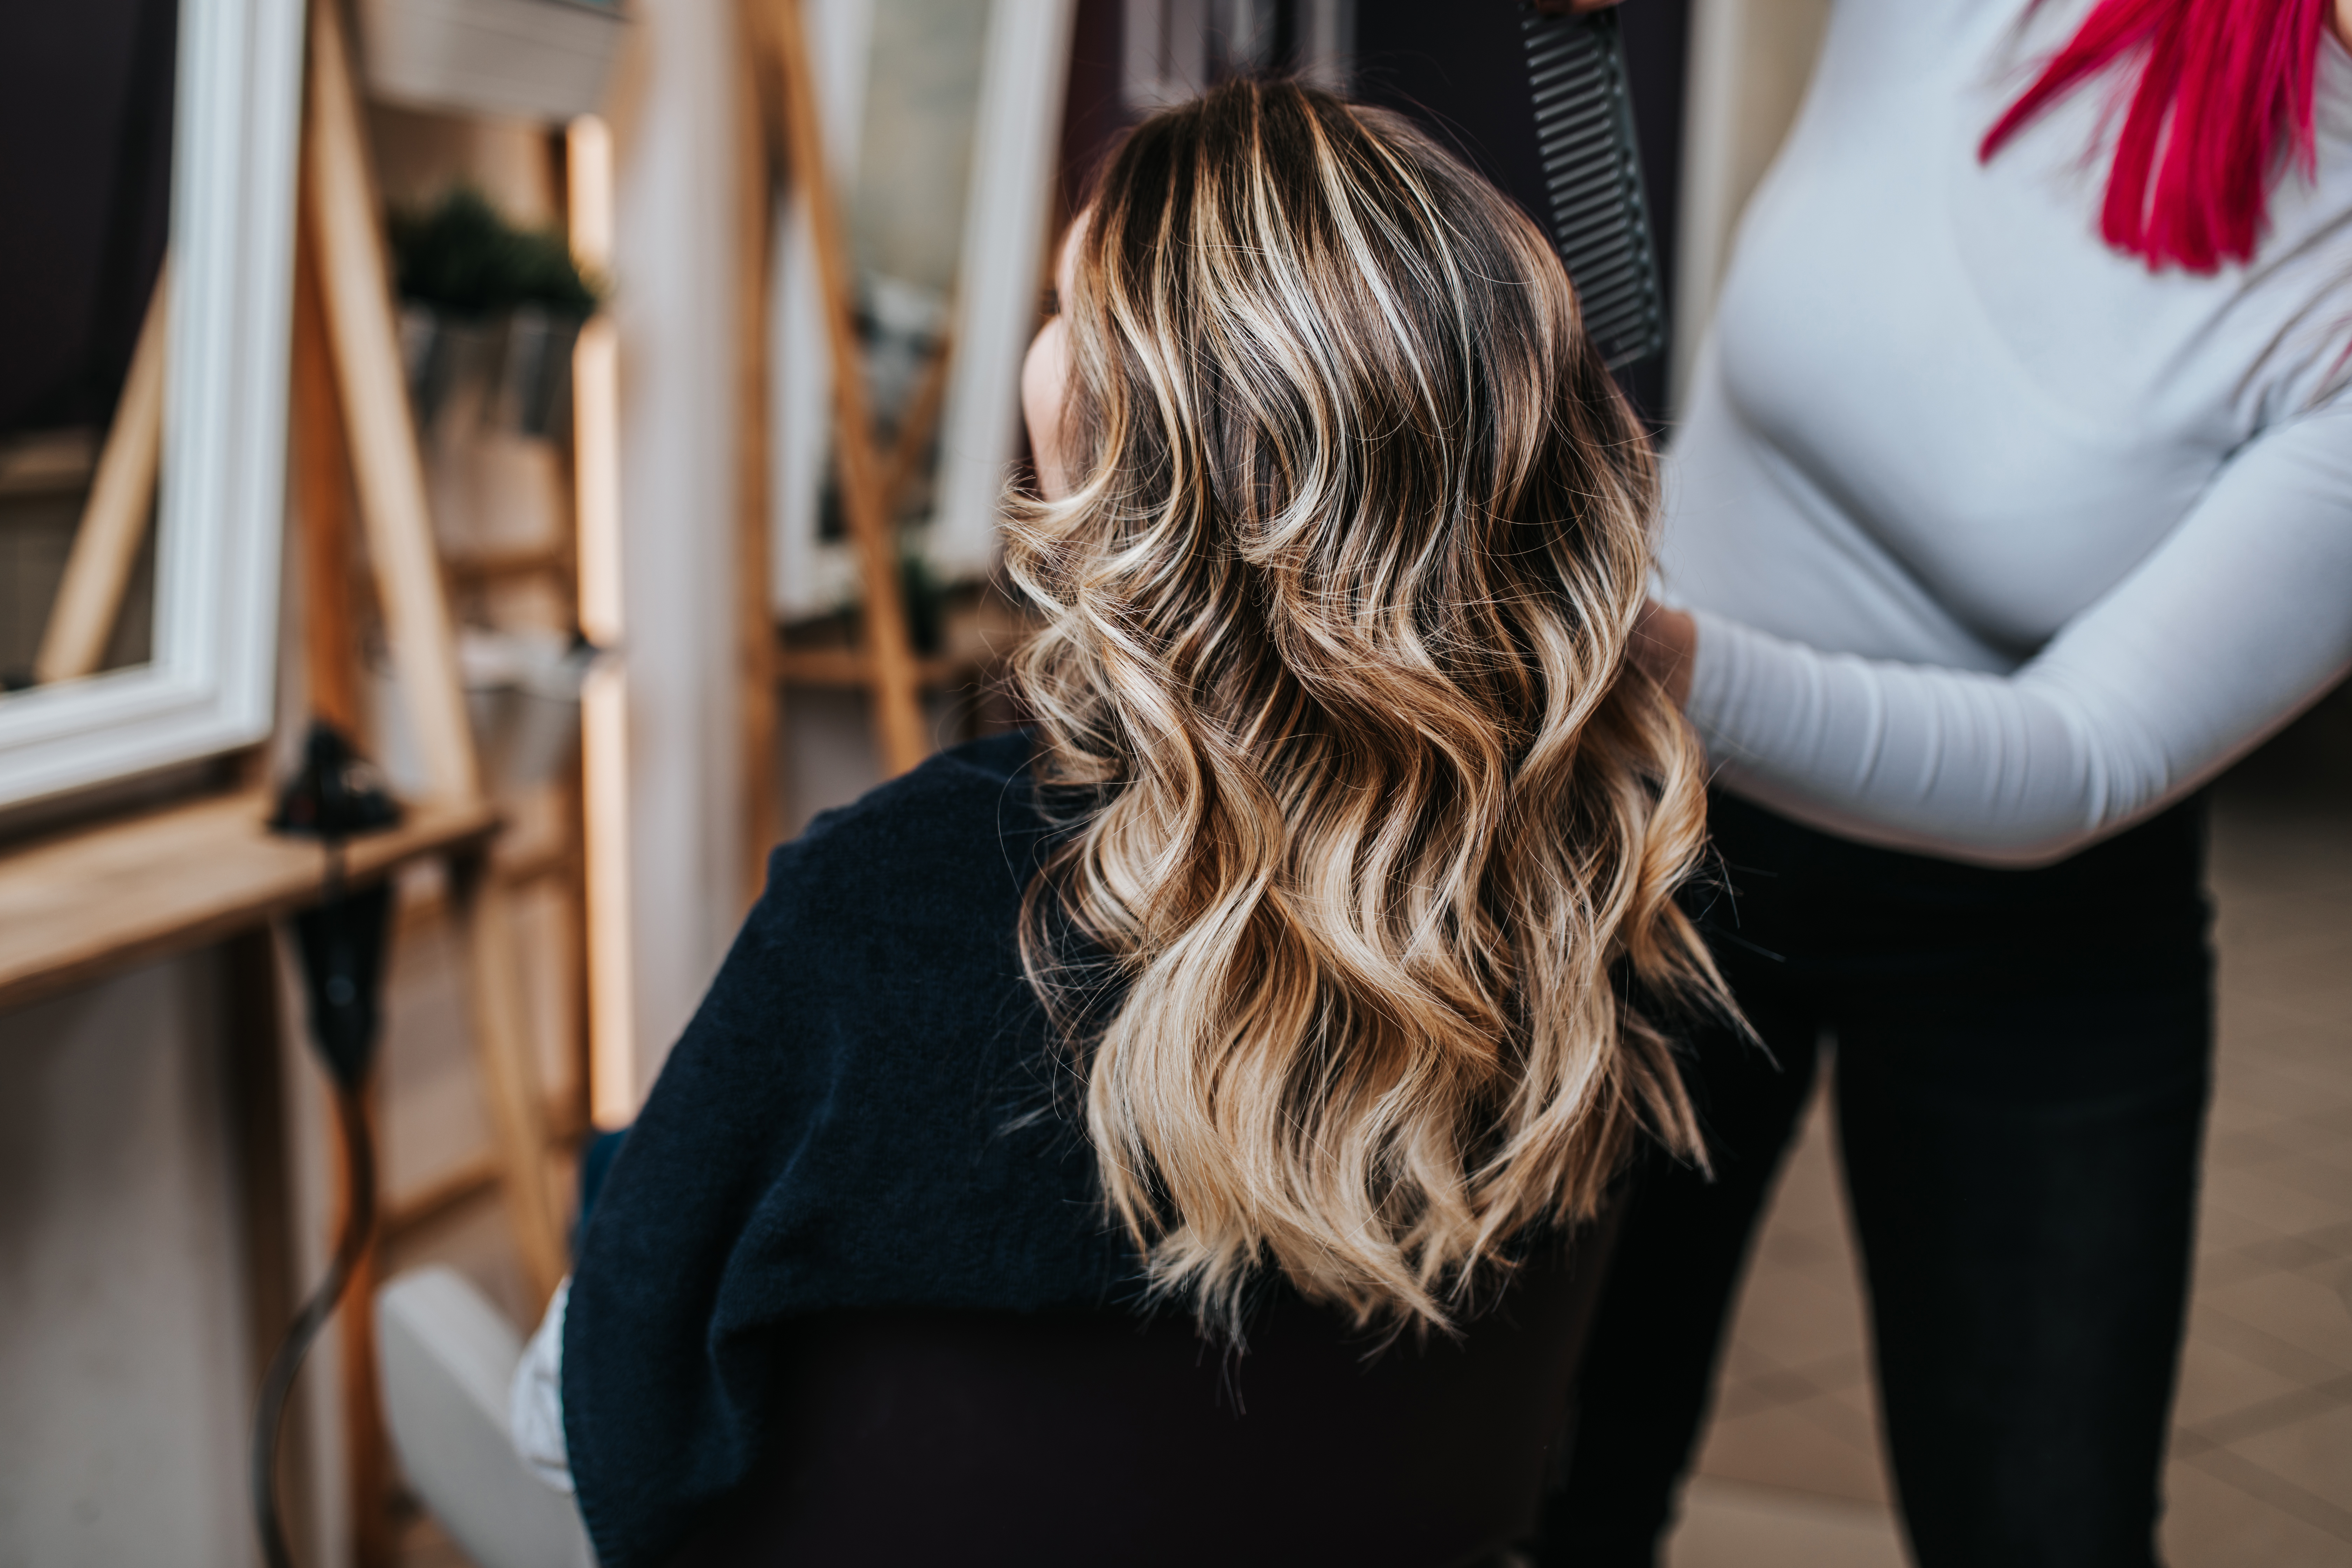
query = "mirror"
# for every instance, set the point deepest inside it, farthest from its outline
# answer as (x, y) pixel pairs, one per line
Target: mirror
(141, 400)
(91, 88)
(940, 117)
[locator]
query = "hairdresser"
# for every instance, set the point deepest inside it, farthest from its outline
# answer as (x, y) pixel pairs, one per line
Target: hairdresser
(2012, 503)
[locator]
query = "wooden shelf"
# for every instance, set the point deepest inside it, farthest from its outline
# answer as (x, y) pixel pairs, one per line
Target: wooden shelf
(493, 565)
(421, 908)
(76, 907)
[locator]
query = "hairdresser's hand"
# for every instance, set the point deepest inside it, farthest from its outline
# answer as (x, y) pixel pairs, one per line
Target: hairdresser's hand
(1665, 643)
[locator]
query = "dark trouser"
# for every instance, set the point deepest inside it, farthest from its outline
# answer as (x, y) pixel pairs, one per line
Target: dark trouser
(2022, 1060)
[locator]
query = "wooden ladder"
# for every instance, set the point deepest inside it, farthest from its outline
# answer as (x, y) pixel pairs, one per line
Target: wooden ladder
(351, 414)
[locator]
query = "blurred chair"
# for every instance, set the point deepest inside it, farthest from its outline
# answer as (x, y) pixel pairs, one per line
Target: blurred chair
(446, 1356)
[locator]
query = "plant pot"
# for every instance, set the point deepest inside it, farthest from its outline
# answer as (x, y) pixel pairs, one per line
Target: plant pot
(522, 698)
(526, 59)
(514, 370)
(532, 681)
(535, 371)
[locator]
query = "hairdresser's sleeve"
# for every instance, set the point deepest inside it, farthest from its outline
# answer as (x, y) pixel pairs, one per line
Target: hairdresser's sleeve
(2230, 628)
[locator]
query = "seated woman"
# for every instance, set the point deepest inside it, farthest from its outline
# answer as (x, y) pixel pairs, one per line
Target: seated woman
(1177, 1135)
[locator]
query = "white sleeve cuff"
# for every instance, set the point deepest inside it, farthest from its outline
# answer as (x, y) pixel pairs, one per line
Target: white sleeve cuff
(535, 1398)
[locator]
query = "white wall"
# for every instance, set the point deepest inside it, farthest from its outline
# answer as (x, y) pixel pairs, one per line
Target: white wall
(124, 1374)
(674, 289)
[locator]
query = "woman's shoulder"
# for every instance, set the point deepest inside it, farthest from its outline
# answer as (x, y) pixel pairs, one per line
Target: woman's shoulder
(961, 827)
(992, 772)
(890, 926)
(872, 1019)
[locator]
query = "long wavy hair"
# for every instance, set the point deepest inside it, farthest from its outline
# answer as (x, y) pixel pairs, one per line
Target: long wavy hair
(1374, 832)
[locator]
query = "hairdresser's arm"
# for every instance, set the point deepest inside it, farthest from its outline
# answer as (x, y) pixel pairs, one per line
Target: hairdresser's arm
(2227, 630)
(1665, 641)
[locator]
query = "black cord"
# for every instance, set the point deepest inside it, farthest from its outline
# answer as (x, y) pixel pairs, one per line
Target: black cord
(340, 944)
(270, 1417)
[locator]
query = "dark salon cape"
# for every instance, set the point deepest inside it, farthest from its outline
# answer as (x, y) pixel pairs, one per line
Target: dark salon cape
(859, 1116)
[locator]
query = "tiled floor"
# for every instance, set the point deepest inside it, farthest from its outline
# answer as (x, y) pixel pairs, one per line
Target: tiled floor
(2261, 1453)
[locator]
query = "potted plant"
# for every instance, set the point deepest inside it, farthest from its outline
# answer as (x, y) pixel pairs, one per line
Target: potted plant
(486, 300)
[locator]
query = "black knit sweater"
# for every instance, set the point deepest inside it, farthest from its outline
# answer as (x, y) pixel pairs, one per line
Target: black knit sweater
(848, 1294)
(839, 1128)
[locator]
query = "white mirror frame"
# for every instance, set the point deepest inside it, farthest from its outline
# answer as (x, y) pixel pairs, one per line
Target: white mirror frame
(208, 688)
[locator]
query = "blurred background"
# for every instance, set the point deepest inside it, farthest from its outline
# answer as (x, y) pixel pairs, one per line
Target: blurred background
(615, 260)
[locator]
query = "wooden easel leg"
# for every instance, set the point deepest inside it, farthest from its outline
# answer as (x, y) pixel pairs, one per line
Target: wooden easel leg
(343, 223)
(760, 692)
(478, 907)
(332, 668)
(114, 519)
(320, 481)
(780, 54)
(604, 697)
(357, 294)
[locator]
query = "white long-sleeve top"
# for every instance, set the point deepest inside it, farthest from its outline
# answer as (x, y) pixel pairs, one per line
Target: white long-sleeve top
(1998, 540)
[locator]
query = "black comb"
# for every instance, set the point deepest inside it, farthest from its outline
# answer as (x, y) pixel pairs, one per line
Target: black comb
(1592, 176)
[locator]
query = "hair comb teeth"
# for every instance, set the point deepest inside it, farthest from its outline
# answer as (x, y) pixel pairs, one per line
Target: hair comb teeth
(1592, 173)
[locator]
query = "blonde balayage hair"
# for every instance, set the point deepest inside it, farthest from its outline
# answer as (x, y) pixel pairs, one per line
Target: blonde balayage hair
(1376, 833)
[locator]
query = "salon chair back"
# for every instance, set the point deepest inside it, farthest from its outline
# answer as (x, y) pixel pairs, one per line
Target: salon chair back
(1079, 1439)
(445, 1357)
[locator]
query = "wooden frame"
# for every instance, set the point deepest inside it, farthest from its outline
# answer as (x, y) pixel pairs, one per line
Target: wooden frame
(208, 687)
(361, 347)
(94, 902)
